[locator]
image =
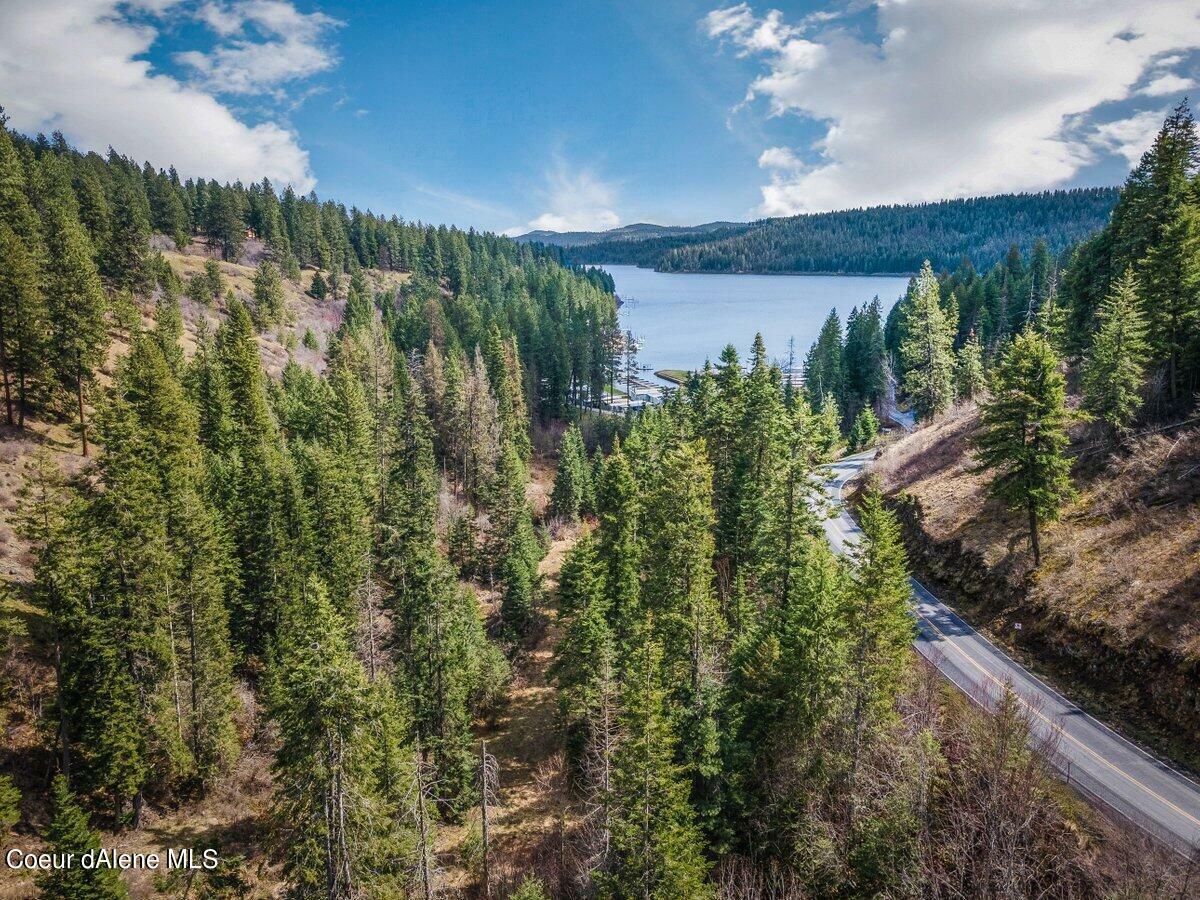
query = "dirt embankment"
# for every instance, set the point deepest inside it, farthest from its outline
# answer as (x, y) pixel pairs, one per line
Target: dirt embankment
(1113, 612)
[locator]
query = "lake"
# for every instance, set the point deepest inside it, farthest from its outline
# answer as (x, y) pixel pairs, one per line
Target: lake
(684, 319)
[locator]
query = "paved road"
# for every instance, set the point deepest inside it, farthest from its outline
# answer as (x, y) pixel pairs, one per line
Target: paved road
(1091, 757)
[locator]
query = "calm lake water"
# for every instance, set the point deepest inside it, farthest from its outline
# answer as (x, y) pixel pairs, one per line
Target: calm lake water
(685, 319)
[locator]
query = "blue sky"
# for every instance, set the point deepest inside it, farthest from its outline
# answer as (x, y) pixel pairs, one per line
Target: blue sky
(508, 116)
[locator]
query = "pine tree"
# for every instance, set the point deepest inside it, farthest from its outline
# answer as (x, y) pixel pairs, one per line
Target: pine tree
(864, 430)
(657, 848)
(786, 683)
(969, 380)
(69, 834)
(879, 626)
(1114, 370)
(125, 258)
(318, 288)
(1025, 434)
(828, 430)
(224, 224)
(74, 298)
(22, 323)
(864, 359)
(1170, 285)
(573, 477)
(327, 796)
(823, 366)
(445, 663)
(759, 458)
(269, 302)
(168, 330)
(677, 594)
(880, 632)
(926, 351)
(619, 548)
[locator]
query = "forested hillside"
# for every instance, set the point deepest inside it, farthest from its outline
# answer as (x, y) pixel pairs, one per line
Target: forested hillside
(638, 232)
(220, 560)
(880, 239)
(1055, 485)
(294, 612)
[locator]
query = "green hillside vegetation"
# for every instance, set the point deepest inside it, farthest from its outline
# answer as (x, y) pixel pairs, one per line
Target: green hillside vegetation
(885, 239)
(286, 611)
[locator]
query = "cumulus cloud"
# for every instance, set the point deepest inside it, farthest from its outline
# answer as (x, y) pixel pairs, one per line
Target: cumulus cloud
(957, 98)
(267, 43)
(77, 66)
(1130, 137)
(1167, 84)
(575, 200)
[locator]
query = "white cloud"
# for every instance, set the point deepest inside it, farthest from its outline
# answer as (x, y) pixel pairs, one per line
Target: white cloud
(1167, 84)
(959, 98)
(275, 43)
(575, 200)
(1130, 137)
(780, 158)
(76, 66)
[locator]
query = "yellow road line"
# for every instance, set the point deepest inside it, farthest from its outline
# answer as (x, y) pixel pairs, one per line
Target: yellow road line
(1062, 730)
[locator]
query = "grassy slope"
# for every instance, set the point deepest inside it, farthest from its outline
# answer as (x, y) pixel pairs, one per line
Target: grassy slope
(1114, 610)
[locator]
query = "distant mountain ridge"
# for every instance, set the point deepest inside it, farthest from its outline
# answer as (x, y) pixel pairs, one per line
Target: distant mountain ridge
(635, 232)
(874, 240)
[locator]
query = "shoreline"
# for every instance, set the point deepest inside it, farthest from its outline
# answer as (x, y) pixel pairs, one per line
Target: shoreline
(767, 274)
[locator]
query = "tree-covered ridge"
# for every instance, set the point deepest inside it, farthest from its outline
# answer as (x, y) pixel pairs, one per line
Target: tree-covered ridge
(79, 226)
(880, 239)
(302, 544)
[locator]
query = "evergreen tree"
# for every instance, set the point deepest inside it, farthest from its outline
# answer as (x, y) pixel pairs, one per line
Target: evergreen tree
(318, 289)
(864, 362)
(926, 351)
(828, 430)
(1114, 370)
(223, 223)
(328, 800)
(1170, 283)
(823, 366)
(74, 298)
(759, 458)
(445, 663)
(69, 834)
(1025, 434)
(879, 626)
(22, 323)
(269, 302)
(125, 259)
(657, 848)
(969, 380)
(618, 544)
(573, 477)
(677, 595)
(864, 430)
(10, 804)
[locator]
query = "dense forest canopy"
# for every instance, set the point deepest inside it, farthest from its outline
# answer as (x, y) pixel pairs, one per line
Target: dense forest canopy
(341, 569)
(880, 239)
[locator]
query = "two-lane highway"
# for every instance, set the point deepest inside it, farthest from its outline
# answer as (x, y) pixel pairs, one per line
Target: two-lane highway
(1091, 756)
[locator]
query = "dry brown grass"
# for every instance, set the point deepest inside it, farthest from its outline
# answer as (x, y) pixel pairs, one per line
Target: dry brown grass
(1116, 600)
(1125, 554)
